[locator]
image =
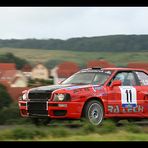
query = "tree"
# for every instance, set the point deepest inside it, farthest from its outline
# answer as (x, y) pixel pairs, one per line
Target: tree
(5, 99)
(10, 58)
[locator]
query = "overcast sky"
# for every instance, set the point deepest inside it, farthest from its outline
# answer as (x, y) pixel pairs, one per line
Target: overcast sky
(68, 22)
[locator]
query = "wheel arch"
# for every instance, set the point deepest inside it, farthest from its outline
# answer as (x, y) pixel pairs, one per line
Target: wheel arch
(90, 99)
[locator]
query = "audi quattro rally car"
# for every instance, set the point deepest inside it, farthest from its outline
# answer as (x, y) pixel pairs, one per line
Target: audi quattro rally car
(93, 93)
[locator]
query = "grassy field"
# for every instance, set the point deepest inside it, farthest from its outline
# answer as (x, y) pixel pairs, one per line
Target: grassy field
(42, 55)
(119, 136)
(107, 132)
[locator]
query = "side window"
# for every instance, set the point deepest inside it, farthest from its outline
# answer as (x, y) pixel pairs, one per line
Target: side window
(127, 78)
(130, 79)
(143, 78)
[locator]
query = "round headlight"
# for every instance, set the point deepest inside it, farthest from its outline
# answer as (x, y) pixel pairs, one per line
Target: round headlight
(61, 97)
(24, 97)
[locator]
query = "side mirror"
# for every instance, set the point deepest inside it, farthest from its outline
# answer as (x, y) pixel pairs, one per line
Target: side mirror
(116, 83)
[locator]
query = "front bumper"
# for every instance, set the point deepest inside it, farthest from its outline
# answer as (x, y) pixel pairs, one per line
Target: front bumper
(71, 110)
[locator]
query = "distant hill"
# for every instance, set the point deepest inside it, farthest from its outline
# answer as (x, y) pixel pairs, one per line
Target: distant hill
(100, 43)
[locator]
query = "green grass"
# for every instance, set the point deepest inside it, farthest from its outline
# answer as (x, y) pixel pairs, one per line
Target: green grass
(120, 136)
(43, 55)
(108, 131)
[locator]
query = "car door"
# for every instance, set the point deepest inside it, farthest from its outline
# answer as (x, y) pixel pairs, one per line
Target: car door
(124, 100)
(142, 89)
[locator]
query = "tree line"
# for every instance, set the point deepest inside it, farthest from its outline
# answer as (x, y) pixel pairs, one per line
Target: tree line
(98, 43)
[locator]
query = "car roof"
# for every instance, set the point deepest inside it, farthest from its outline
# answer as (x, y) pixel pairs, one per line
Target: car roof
(123, 68)
(115, 68)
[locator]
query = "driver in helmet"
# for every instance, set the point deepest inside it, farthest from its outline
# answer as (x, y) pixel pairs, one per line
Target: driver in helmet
(120, 77)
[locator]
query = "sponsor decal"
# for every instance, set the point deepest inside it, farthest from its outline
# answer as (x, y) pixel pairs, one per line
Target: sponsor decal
(80, 89)
(97, 70)
(108, 72)
(102, 94)
(128, 96)
(117, 109)
(73, 87)
(97, 88)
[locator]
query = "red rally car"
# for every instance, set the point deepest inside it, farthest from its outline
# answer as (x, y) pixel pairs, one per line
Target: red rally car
(93, 93)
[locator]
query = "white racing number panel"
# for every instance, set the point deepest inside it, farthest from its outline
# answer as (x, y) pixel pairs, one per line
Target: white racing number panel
(128, 96)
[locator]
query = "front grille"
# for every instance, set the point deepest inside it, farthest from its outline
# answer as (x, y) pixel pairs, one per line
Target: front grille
(38, 113)
(37, 105)
(37, 108)
(52, 104)
(39, 95)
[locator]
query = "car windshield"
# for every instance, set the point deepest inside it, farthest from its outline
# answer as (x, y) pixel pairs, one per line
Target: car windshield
(87, 78)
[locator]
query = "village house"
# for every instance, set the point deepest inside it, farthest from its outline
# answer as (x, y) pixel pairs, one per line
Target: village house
(54, 75)
(15, 78)
(99, 63)
(27, 70)
(142, 65)
(16, 92)
(64, 70)
(39, 71)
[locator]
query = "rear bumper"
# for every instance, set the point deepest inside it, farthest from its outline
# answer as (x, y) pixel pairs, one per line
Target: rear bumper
(54, 110)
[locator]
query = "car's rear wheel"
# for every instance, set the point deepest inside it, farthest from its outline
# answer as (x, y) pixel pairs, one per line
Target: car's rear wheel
(94, 112)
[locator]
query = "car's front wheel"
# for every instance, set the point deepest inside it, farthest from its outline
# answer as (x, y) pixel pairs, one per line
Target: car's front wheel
(94, 112)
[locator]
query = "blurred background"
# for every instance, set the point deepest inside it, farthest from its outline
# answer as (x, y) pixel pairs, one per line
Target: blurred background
(43, 46)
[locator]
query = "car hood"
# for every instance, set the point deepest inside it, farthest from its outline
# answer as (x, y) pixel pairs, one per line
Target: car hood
(55, 87)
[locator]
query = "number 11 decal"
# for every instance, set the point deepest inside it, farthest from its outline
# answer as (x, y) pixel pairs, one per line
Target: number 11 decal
(128, 96)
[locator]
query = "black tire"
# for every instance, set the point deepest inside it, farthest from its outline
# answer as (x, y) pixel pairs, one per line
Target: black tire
(94, 112)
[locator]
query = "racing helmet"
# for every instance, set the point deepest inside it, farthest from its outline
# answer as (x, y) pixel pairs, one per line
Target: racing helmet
(120, 77)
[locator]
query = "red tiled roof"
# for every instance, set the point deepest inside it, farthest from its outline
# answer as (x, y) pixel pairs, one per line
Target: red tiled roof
(142, 65)
(99, 63)
(7, 66)
(65, 73)
(5, 83)
(16, 92)
(69, 65)
(1, 73)
(66, 69)
(27, 68)
(8, 74)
